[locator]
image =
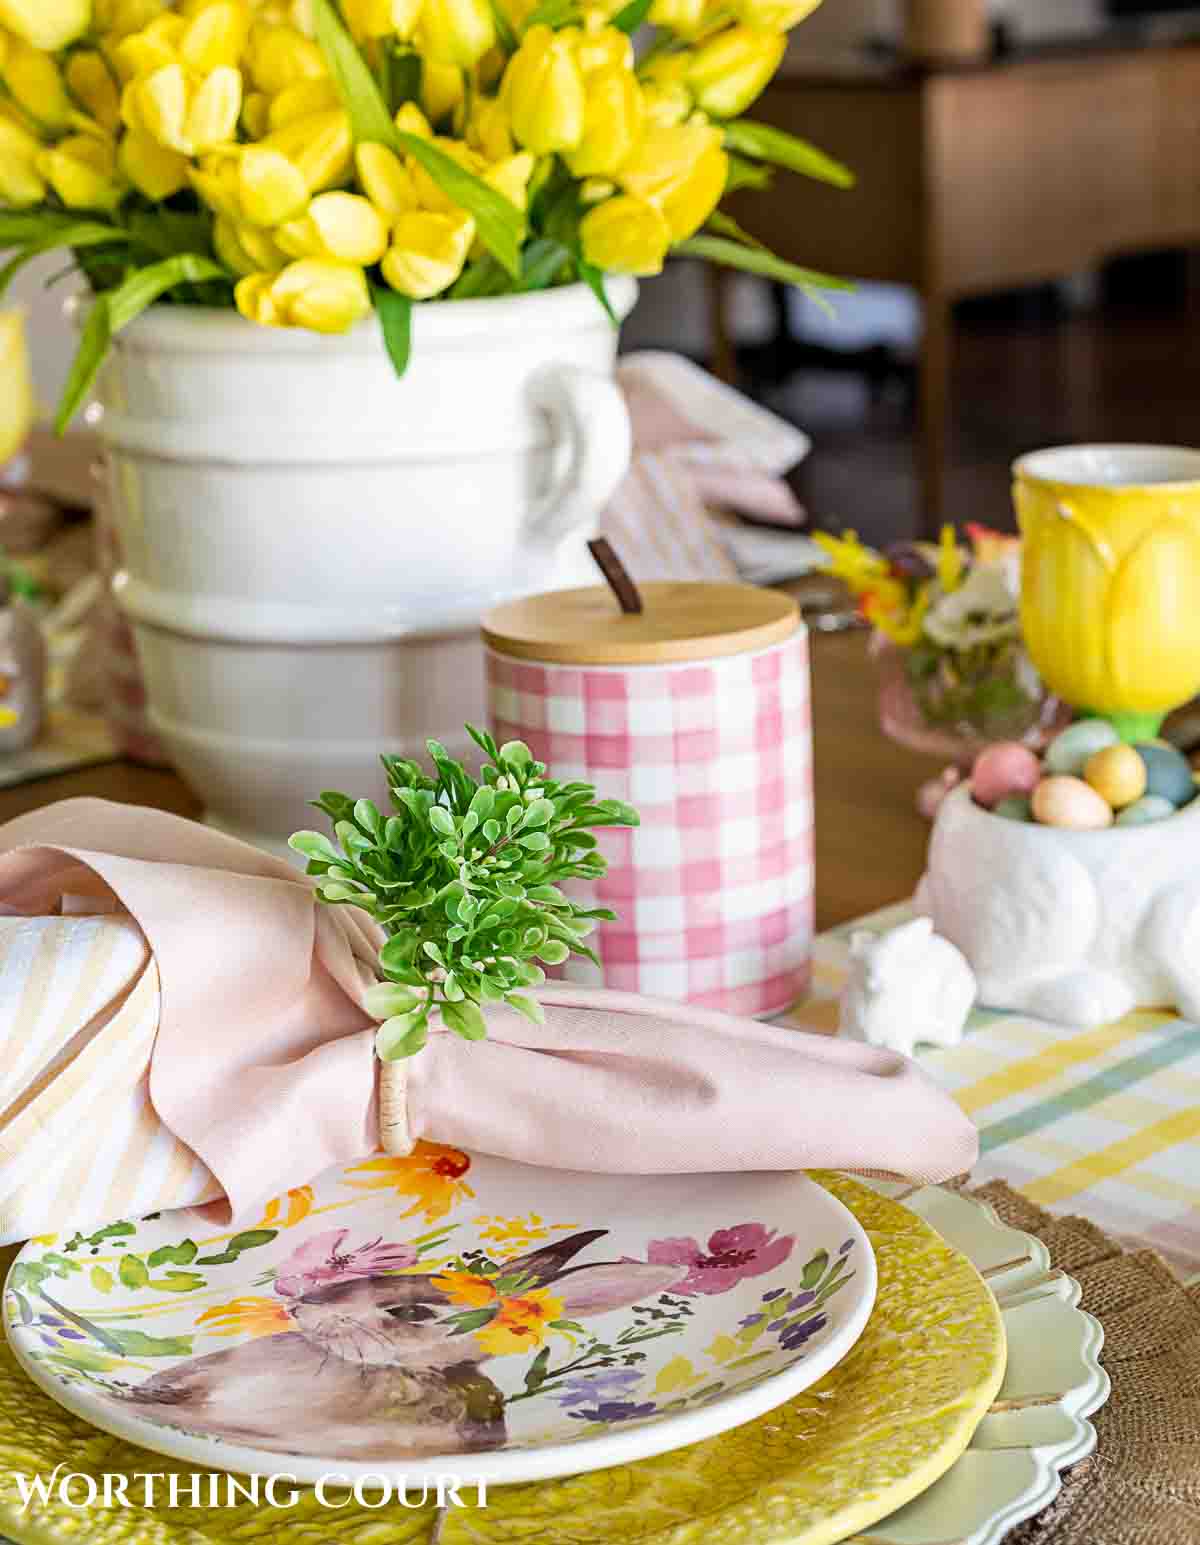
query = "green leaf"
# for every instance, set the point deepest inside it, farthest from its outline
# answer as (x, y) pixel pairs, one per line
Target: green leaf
(535, 1375)
(747, 174)
(401, 1037)
(721, 224)
(465, 1019)
(115, 309)
(630, 17)
(515, 753)
(251, 1239)
(132, 1272)
(718, 249)
(441, 820)
(765, 143)
(179, 1282)
(530, 1007)
(594, 280)
(395, 318)
(542, 262)
(505, 35)
(101, 1280)
(473, 1319)
(815, 1270)
(182, 1254)
(314, 845)
(498, 222)
(135, 1343)
(89, 356)
(85, 233)
(170, 232)
(386, 1000)
(554, 952)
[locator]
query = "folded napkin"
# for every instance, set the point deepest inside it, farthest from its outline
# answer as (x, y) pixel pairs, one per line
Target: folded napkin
(181, 1021)
(698, 445)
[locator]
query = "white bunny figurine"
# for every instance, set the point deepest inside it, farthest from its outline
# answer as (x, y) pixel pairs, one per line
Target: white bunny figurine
(906, 986)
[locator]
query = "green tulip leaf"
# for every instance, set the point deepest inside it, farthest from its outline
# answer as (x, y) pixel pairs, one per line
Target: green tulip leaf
(500, 224)
(754, 260)
(763, 143)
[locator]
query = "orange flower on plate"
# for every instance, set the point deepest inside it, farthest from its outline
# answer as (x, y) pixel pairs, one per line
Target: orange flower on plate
(246, 1317)
(463, 1287)
(432, 1174)
(521, 1324)
(285, 1211)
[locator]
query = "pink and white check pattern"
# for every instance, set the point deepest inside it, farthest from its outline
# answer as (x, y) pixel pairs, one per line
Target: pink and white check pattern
(714, 891)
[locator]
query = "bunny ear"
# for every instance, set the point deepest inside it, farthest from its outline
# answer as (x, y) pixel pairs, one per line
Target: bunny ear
(597, 1289)
(542, 1266)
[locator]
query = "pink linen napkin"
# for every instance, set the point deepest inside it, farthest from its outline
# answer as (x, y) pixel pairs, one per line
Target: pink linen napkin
(262, 1066)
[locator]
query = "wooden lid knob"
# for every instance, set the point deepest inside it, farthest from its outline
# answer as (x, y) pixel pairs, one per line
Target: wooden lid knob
(680, 620)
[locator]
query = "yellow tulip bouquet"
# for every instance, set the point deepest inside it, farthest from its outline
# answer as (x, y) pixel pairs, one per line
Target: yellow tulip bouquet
(310, 162)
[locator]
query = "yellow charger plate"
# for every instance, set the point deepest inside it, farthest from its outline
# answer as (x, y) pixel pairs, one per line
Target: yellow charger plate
(874, 1433)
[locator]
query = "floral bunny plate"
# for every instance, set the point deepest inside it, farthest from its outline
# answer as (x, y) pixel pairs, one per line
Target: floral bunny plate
(406, 1317)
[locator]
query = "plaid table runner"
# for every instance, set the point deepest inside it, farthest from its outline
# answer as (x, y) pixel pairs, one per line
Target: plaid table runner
(1104, 1123)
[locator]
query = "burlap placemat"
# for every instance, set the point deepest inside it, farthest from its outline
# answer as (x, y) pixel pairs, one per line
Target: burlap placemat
(1142, 1484)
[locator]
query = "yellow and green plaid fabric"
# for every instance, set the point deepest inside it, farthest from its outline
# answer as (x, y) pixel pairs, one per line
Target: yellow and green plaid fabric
(1104, 1123)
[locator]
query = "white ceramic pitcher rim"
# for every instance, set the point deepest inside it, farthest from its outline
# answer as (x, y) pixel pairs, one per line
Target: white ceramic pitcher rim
(205, 329)
(1064, 466)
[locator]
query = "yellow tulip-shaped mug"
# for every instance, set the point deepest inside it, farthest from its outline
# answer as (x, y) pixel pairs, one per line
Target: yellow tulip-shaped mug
(1110, 585)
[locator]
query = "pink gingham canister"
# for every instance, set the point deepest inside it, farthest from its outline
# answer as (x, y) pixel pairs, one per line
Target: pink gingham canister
(696, 710)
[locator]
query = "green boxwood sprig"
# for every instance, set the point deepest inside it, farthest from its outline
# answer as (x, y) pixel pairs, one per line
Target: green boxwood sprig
(464, 878)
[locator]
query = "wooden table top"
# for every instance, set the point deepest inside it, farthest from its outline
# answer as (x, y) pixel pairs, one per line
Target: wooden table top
(870, 841)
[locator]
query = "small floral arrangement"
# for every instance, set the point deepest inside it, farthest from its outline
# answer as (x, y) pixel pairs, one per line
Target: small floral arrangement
(309, 161)
(953, 613)
(464, 877)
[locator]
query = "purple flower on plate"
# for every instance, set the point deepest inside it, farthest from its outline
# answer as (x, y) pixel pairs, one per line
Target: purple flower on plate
(750, 1319)
(615, 1411)
(849, 1245)
(324, 1258)
(731, 1255)
(611, 1382)
(797, 1335)
(801, 1301)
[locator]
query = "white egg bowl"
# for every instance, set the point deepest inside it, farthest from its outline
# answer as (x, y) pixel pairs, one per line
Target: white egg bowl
(1073, 926)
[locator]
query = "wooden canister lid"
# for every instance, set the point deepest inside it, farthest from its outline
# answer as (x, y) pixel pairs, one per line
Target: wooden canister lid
(680, 620)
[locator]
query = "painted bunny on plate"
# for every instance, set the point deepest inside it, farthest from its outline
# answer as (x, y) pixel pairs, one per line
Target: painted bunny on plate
(374, 1366)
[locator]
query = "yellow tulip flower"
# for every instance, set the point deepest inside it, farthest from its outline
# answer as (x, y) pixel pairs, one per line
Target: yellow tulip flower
(411, 120)
(152, 169)
(36, 85)
(21, 184)
(625, 235)
(666, 102)
(489, 130)
(216, 181)
(343, 226)
(682, 169)
(246, 249)
(271, 190)
(46, 24)
(428, 252)
(443, 89)
(153, 47)
(277, 56)
(320, 145)
(301, 101)
(323, 296)
(385, 180)
(82, 171)
(686, 18)
(1110, 597)
(544, 92)
(456, 31)
(16, 386)
(511, 177)
(216, 35)
(382, 18)
(775, 15)
(601, 47)
(613, 121)
(114, 20)
(185, 113)
(91, 83)
(256, 114)
(728, 72)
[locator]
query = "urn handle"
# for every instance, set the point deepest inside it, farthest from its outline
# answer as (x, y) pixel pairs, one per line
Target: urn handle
(587, 408)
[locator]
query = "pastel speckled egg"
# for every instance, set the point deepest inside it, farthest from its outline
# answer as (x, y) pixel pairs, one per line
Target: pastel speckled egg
(1071, 804)
(1168, 772)
(1015, 808)
(1002, 770)
(1118, 775)
(1151, 808)
(1070, 752)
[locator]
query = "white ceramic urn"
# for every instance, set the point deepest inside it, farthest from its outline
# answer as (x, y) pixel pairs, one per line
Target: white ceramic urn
(308, 542)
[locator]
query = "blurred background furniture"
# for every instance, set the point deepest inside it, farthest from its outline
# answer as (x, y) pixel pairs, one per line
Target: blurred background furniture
(978, 178)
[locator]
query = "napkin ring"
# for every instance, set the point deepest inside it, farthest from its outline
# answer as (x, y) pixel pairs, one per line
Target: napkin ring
(394, 1133)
